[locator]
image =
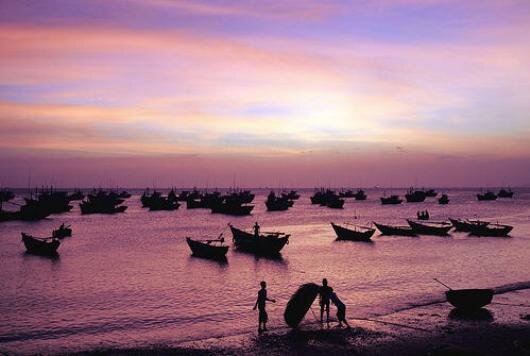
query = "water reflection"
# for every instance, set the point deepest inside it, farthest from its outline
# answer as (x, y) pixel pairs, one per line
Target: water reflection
(221, 262)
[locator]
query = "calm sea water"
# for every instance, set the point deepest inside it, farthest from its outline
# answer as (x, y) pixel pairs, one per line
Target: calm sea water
(128, 280)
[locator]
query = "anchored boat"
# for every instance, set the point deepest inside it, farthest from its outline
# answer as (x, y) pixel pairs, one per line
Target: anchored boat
(270, 243)
(430, 228)
(353, 233)
(41, 246)
(394, 230)
(208, 248)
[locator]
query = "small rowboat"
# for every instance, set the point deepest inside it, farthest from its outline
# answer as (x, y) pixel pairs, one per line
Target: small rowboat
(208, 248)
(430, 228)
(40, 246)
(491, 230)
(62, 231)
(268, 244)
(356, 233)
(468, 299)
(395, 230)
(300, 303)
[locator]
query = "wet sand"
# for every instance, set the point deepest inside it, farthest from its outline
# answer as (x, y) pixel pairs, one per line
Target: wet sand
(503, 328)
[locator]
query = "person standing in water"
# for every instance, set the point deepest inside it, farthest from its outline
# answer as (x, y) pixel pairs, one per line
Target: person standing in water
(341, 309)
(324, 294)
(256, 229)
(260, 304)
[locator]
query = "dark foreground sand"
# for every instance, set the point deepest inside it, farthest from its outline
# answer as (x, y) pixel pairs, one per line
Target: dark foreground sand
(435, 329)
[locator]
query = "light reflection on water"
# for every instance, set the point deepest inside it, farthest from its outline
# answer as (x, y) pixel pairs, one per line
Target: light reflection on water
(129, 280)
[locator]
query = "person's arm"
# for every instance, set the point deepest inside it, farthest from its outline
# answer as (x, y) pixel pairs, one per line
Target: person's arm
(256, 305)
(271, 300)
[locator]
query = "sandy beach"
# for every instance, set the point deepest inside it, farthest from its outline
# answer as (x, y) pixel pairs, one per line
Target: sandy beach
(503, 328)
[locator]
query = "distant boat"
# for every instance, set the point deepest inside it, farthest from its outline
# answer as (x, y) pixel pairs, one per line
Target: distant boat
(360, 195)
(208, 248)
(415, 196)
(270, 243)
(40, 246)
(274, 203)
(444, 199)
(353, 233)
(431, 193)
(498, 230)
(292, 195)
(430, 228)
(62, 231)
(466, 225)
(393, 199)
(347, 194)
(505, 193)
(124, 194)
(231, 208)
(196, 204)
(76, 195)
(334, 202)
(489, 195)
(395, 230)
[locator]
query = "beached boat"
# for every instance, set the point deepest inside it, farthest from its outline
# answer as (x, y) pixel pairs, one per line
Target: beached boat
(300, 303)
(466, 225)
(353, 232)
(393, 199)
(444, 199)
(469, 299)
(490, 230)
(394, 230)
(487, 196)
(208, 248)
(270, 243)
(430, 228)
(40, 246)
(62, 231)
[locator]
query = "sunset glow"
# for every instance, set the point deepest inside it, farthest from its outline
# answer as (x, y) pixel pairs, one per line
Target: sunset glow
(297, 93)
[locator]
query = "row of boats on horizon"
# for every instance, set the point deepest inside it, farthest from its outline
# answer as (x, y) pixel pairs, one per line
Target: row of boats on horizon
(49, 201)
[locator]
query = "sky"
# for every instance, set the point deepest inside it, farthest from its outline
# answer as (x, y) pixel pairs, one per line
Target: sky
(291, 93)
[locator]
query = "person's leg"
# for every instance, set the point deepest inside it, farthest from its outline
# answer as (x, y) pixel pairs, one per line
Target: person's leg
(321, 312)
(327, 312)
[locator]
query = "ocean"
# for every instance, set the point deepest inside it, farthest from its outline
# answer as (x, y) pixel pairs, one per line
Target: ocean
(129, 280)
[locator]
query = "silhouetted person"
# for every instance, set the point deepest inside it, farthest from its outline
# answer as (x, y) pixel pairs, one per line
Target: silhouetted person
(324, 295)
(256, 229)
(260, 304)
(341, 309)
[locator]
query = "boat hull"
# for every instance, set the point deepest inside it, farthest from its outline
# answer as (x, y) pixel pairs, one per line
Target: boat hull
(394, 230)
(424, 229)
(491, 230)
(205, 250)
(300, 303)
(352, 235)
(262, 245)
(40, 247)
(469, 299)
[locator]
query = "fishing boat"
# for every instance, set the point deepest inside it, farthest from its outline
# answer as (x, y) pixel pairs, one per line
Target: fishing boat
(292, 195)
(124, 194)
(353, 232)
(208, 248)
(231, 208)
(346, 194)
(498, 230)
(489, 195)
(300, 303)
(394, 230)
(269, 243)
(196, 204)
(466, 225)
(40, 246)
(430, 228)
(415, 196)
(360, 195)
(505, 193)
(431, 193)
(334, 202)
(443, 200)
(62, 231)
(393, 199)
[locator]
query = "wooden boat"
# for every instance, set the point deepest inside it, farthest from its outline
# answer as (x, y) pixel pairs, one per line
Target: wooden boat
(487, 196)
(415, 196)
(62, 231)
(208, 248)
(360, 195)
(231, 208)
(356, 233)
(430, 228)
(505, 193)
(394, 230)
(444, 199)
(469, 299)
(393, 199)
(270, 243)
(40, 246)
(347, 194)
(498, 230)
(196, 204)
(300, 303)
(431, 193)
(466, 225)
(335, 203)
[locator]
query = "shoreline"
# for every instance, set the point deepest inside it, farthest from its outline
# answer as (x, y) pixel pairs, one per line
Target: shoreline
(502, 328)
